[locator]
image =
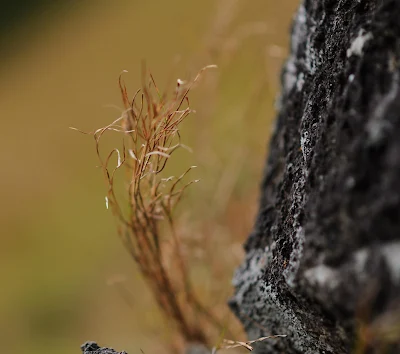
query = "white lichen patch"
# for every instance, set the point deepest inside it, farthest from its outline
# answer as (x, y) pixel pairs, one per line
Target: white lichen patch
(292, 267)
(322, 276)
(350, 182)
(291, 324)
(250, 272)
(299, 32)
(312, 57)
(391, 254)
(299, 35)
(309, 59)
(297, 240)
(376, 130)
(360, 259)
(269, 249)
(300, 82)
(266, 308)
(358, 43)
(262, 302)
(377, 125)
(305, 143)
(290, 75)
(304, 140)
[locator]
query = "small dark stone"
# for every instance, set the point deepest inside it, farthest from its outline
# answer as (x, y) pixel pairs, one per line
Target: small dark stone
(89, 346)
(93, 348)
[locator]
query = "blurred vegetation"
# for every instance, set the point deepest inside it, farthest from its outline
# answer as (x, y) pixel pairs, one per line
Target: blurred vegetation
(17, 15)
(14, 12)
(66, 276)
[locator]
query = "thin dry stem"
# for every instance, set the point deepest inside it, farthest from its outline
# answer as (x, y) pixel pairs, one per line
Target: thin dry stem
(150, 126)
(230, 344)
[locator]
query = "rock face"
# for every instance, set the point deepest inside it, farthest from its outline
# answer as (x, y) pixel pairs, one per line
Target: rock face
(323, 260)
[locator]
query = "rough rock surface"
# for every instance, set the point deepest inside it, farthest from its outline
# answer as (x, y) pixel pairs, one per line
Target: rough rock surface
(94, 348)
(323, 260)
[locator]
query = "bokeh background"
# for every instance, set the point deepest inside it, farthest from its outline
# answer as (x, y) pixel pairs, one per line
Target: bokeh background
(65, 276)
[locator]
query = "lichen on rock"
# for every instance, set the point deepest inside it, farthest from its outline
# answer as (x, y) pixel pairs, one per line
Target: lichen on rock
(324, 253)
(93, 348)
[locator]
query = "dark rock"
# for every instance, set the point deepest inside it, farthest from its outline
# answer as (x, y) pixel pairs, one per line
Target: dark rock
(93, 348)
(323, 260)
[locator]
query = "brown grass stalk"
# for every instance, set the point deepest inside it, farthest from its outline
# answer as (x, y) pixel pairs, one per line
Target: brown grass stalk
(150, 127)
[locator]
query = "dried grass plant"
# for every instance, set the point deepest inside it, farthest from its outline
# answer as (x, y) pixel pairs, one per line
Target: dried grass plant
(147, 225)
(150, 128)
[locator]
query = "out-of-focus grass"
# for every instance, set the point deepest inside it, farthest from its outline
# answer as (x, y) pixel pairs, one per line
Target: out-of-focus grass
(59, 245)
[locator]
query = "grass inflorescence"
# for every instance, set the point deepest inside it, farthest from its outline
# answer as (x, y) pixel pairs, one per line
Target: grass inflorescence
(150, 125)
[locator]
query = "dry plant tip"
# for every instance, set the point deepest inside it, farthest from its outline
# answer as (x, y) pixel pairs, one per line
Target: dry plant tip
(231, 344)
(150, 129)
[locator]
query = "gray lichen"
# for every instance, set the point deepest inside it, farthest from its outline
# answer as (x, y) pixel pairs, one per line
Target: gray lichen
(326, 240)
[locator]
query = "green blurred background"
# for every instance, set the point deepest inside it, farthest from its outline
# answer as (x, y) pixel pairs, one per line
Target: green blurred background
(60, 62)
